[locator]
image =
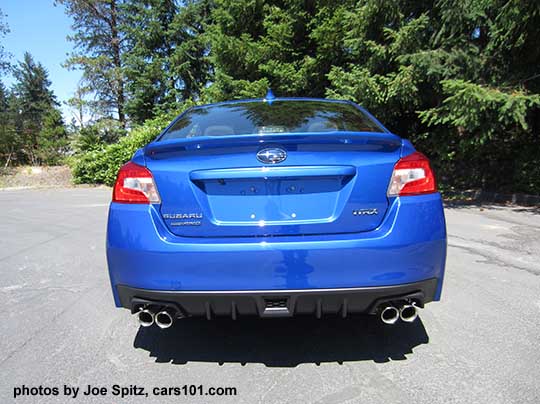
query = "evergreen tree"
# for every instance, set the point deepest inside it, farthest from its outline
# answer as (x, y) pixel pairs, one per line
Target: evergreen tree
(8, 146)
(165, 60)
(53, 139)
(256, 44)
(3, 97)
(85, 111)
(458, 77)
(147, 59)
(442, 73)
(31, 102)
(98, 50)
(4, 56)
(511, 36)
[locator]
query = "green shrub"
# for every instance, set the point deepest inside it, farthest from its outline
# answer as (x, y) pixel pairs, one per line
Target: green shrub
(100, 165)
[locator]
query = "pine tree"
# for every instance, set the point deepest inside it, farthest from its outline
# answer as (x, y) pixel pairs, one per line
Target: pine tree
(458, 77)
(4, 56)
(8, 145)
(165, 60)
(98, 50)
(31, 102)
(3, 97)
(53, 140)
(85, 110)
(256, 44)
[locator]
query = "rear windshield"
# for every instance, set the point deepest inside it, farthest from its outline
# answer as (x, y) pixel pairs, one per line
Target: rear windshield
(257, 117)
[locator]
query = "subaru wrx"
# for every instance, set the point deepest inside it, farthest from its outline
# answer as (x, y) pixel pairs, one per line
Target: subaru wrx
(276, 207)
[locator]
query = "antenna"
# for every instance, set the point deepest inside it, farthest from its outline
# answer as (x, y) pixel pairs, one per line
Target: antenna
(269, 96)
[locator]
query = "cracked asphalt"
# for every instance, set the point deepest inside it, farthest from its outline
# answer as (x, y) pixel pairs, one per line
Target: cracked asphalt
(480, 344)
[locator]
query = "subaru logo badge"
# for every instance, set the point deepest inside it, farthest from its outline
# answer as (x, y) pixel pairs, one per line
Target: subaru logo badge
(271, 155)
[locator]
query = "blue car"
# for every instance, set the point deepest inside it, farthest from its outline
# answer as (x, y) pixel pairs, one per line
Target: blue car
(276, 207)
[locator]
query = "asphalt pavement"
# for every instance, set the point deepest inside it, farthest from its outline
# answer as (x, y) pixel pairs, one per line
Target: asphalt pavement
(59, 327)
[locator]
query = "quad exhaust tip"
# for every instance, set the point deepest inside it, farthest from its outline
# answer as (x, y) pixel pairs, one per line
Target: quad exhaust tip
(408, 313)
(164, 319)
(389, 315)
(405, 311)
(146, 318)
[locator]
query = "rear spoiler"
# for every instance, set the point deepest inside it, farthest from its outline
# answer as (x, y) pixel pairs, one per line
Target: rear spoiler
(384, 142)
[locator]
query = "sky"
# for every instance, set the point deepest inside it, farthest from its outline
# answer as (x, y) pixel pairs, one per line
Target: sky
(39, 27)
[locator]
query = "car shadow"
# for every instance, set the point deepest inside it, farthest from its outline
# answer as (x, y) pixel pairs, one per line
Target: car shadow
(281, 342)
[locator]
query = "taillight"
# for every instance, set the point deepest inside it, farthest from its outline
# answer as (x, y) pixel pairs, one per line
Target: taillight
(135, 184)
(412, 175)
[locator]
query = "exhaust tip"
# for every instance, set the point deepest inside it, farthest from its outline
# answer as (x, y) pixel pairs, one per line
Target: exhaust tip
(389, 315)
(164, 319)
(408, 313)
(146, 318)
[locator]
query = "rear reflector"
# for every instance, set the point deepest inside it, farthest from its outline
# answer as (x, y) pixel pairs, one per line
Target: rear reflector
(412, 175)
(135, 184)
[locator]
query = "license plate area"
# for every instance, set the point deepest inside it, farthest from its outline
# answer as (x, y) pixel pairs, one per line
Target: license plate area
(272, 186)
(273, 199)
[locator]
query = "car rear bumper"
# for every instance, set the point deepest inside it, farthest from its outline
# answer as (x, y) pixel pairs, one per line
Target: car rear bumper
(408, 247)
(278, 303)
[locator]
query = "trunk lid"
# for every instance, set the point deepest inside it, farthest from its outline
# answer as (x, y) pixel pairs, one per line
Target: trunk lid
(328, 184)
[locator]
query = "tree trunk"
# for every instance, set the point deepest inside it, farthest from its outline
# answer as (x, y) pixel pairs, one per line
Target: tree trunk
(117, 61)
(8, 160)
